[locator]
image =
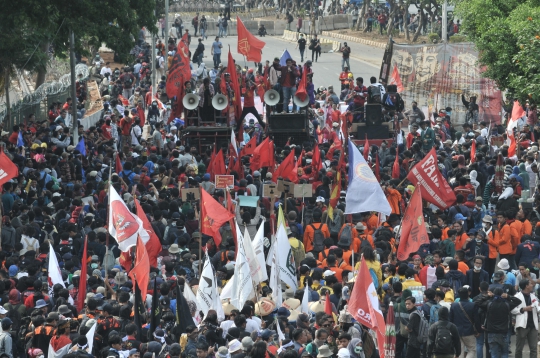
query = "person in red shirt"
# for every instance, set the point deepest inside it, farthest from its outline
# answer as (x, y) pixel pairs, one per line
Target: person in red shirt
(14, 137)
(289, 73)
(107, 130)
(125, 126)
(249, 101)
(67, 104)
(344, 78)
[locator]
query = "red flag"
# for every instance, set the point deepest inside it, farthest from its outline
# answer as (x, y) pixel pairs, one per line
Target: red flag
(218, 167)
(263, 155)
(153, 245)
(328, 305)
(213, 215)
(316, 162)
(237, 100)
(141, 269)
(413, 229)
(395, 79)
(248, 45)
(517, 113)
(364, 305)
(8, 170)
(377, 168)
(81, 295)
(436, 189)
(249, 148)
(177, 105)
(223, 84)
(178, 73)
(125, 101)
(301, 92)
(286, 169)
(473, 151)
(210, 169)
(118, 166)
(366, 149)
(512, 145)
(142, 117)
(395, 168)
(125, 260)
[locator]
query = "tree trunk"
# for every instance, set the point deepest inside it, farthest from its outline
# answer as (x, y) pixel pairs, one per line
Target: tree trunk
(42, 72)
(405, 24)
(420, 25)
(391, 22)
(361, 16)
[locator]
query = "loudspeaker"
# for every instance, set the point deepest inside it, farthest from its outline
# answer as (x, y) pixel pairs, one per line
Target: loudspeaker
(289, 122)
(373, 114)
(373, 132)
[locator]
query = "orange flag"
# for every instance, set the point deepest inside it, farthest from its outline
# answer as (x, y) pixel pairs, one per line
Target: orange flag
(364, 305)
(153, 245)
(473, 151)
(413, 229)
(301, 92)
(248, 45)
(213, 215)
(512, 145)
(286, 169)
(139, 274)
(118, 163)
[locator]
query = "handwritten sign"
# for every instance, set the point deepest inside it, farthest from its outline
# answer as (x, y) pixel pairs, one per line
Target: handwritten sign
(303, 191)
(224, 181)
(271, 190)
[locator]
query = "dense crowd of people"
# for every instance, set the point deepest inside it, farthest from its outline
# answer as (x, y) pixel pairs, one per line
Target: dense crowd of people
(466, 292)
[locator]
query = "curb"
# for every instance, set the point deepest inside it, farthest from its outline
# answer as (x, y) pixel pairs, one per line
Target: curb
(354, 39)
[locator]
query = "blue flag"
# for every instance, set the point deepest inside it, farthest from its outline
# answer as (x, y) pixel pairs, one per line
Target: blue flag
(81, 147)
(20, 141)
(286, 55)
(365, 192)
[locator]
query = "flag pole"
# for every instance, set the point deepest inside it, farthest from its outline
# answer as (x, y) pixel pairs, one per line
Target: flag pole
(200, 240)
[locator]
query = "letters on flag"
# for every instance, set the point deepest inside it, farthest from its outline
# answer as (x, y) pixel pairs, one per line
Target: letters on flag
(123, 224)
(435, 188)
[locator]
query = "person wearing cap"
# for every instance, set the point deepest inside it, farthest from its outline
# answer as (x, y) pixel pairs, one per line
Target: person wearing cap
(43, 334)
(106, 321)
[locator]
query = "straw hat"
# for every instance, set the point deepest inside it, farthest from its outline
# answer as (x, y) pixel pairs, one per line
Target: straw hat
(264, 307)
(292, 303)
(294, 316)
(228, 307)
(316, 306)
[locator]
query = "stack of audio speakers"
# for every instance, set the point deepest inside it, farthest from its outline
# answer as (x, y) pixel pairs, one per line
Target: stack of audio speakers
(374, 127)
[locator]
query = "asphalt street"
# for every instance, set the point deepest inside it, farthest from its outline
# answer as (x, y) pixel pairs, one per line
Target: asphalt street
(365, 60)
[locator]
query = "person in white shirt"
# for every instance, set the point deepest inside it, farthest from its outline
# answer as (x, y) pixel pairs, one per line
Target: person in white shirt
(161, 69)
(28, 242)
(106, 69)
(136, 132)
(527, 310)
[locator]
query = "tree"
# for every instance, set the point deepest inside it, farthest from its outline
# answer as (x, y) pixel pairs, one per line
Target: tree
(507, 35)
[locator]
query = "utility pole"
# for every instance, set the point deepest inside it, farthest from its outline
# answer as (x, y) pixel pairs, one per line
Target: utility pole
(153, 62)
(444, 30)
(74, 120)
(166, 37)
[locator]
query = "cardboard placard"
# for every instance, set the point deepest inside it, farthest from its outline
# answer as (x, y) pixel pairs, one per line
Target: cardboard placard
(250, 201)
(224, 181)
(190, 194)
(303, 191)
(285, 185)
(271, 190)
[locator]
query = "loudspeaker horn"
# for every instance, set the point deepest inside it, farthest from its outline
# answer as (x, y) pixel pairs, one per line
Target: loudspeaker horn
(190, 101)
(220, 101)
(271, 97)
(299, 102)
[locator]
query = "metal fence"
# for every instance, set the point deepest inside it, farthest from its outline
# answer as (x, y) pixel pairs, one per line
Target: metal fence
(39, 101)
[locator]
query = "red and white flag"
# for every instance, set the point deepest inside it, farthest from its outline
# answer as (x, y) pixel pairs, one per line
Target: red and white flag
(124, 226)
(517, 113)
(8, 170)
(364, 305)
(55, 275)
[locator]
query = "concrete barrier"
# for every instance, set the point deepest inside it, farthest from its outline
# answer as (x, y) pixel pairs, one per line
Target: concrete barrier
(279, 27)
(211, 29)
(252, 26)
(340, 21)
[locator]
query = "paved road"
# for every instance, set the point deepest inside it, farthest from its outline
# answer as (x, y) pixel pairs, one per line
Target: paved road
(365, 60)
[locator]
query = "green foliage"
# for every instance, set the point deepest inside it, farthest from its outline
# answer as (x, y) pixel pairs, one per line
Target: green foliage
(507, 35)
(433, 38)
(457, 38)
(28, 25)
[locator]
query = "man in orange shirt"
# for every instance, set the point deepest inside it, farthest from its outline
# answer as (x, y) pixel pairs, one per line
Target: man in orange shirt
(506, 232)
(461, 238)
(394, 197)
(492, 238)
(462, 265)
(331, 264)
(312, 232)
(517, 227)
(362, 236)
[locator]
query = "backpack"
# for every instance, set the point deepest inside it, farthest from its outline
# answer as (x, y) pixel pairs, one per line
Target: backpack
(128, 82)
(15, 316)
(374, 278)
(374, 94)
(318, 238)
(455, 284)
(434, 314)
(335, 225)
(128, 178)
(172, 235)
(423, 328)
(443, 338)
(290, 18)
(345, 239)
(364, 242)
(393, 101)
(157, 62)
(308, 215)
(298, 254)
(109, 261)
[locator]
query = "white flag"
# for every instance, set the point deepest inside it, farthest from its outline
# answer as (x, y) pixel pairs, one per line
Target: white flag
(254, 266)
(287, 266)
(258, 246)
(279, 332)
(226, 291)
(124, 226)
(242, 286)
(90, 337)
(55, 275)
(304, 308)
(275, 282)
(270, 257)
(207, 295)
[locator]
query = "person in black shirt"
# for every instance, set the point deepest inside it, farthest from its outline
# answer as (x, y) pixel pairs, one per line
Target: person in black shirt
(301, 46)
(315, 47)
